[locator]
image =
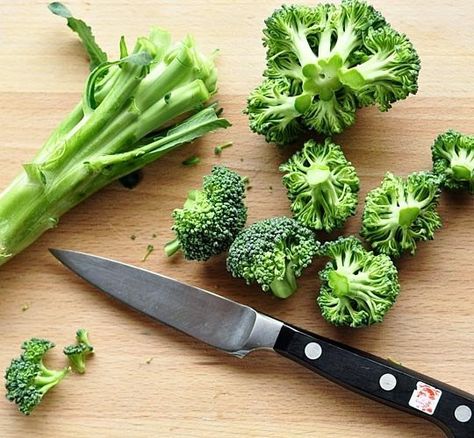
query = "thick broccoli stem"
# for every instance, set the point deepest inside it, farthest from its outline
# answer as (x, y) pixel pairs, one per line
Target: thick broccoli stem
(29, 207)
(286, 286)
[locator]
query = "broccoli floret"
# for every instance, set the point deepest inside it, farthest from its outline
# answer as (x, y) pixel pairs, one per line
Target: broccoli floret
(323, 63)
(358, 287)
(28, 379)
(401, 212)
(322, 185)
(211, 217)
(273, 253)
(77, 353)
(453, 160)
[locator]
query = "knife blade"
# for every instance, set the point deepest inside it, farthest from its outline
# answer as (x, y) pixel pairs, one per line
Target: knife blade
(215, 320)
(238, 329)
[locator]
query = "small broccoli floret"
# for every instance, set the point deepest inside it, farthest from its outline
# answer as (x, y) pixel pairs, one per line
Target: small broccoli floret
(275, 114)
(28, 379)
(401, 212)
(358, 287)
(273, 253)
(77, 353)
(323, 63)
(211, 217)
(322, 185)
(453, 160)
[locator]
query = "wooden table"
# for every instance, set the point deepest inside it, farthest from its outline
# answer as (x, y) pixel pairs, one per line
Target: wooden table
(148, 380)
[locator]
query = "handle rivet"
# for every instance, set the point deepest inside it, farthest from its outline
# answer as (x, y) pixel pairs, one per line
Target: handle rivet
(388, 382)
(313, 351)
(463, 413)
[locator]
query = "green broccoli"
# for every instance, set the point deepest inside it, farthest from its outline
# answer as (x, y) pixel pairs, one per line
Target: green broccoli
(211, 217)
(273, 253)
(78, 352)
(323, 63)
(401, 212)
(322, 185)
(453, 160)
(133, 111)
(358, 287)
(28, 379)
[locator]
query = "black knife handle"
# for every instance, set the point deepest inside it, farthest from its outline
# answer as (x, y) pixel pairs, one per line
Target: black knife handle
(382, 380)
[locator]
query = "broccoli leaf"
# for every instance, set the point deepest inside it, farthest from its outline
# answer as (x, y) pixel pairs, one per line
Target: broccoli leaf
(96, 55)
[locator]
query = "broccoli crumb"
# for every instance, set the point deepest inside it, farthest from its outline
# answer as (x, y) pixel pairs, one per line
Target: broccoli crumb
(25, 307)
(133, 237)
(149, 249)
(191, 161)
(218, 149)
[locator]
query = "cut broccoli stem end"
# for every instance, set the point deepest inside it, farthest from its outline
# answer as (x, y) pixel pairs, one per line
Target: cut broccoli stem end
(286, 286)
(461, 173)
(407, 215)
(317, 174)
(172, 247)
(339, 283)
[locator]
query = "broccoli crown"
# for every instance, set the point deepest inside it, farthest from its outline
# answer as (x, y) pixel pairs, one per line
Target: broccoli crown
(323, 63)
(210, 218)
(401, 212)
(322, 185)
(27, 379)
(453, 160)
(273, 253)
(358, 287)
(77, 353)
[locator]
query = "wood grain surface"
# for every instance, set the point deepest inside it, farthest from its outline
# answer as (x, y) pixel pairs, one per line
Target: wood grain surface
(147, 380)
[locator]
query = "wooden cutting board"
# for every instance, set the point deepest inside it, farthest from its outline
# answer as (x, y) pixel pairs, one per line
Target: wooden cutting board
(147, 380)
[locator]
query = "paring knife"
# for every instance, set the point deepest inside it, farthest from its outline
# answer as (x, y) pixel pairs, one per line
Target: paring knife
(239, 330)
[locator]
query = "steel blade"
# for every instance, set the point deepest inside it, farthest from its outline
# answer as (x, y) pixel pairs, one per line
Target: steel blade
(215, 320)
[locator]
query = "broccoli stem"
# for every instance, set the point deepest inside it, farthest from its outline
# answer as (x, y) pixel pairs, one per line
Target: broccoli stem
(172, 247)
(30, 206)
(286, 286)
(461, 173)
(407, 215)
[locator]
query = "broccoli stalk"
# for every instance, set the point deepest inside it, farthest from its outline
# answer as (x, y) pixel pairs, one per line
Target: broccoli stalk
(28, 379)
(273, 253)
(211, 217)
(78, 352)
(401, 212)
(325, 62)
(358, 287)
(322, 185)
(124, 121)
(453, 160)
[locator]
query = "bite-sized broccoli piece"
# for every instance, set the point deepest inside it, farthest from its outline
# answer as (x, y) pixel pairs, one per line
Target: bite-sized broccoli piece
(323, 63)
(28, 379)
(211, 217)
(401, 212)
(453, 160)
(78, 352)
(322, 185)
(358, 287)
(273, 253)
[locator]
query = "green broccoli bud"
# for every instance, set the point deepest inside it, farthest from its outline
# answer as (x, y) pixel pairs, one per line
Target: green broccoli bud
(211, 217)
(273, 253)
(358, 287)
(77, 353)
(401, 212)
(332, 59)
(453, 160)
(322, 185)
(27, 379)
